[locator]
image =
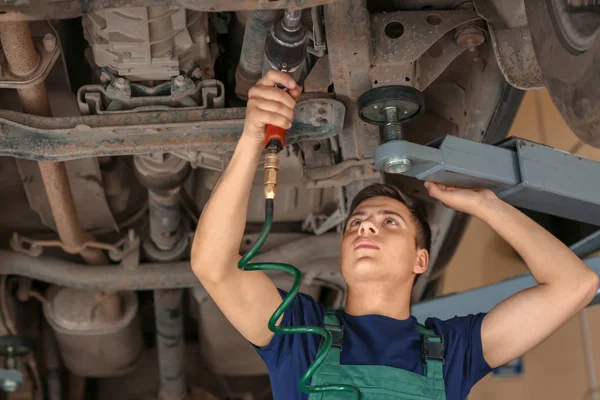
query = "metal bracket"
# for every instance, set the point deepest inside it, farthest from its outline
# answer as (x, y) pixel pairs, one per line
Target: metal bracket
(340, 174)
(523, 173)
(124, 250)
(319, 224)
(413, 48)
(122, 96)
(415, 33)
(48, 49)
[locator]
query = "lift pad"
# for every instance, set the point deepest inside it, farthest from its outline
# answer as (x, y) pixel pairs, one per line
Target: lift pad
(522, 173)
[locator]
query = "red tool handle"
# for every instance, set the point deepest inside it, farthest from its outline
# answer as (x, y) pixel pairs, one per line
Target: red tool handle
(274, 132)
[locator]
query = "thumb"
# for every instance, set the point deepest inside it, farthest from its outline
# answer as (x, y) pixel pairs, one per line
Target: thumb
(439, 191)
(433, 189)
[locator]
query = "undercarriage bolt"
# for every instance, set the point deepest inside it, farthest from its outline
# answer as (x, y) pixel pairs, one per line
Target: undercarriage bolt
(469, 36)
(49, 42)
(180, 80)
(392, 130)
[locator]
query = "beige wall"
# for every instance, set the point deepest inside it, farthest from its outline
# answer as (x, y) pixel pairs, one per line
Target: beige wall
(555, 370)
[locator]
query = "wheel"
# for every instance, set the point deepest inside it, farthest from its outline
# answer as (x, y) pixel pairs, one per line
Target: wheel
(566, 41)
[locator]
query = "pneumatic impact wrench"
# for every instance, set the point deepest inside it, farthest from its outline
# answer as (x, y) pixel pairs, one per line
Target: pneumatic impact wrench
(285, 50)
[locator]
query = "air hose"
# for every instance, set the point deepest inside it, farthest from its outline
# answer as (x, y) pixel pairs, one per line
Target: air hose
(290, 269)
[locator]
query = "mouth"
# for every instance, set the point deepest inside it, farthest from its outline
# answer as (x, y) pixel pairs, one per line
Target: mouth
(365, 244)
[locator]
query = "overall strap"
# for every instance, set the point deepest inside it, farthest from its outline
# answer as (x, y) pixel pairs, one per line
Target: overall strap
(432, 350)
(334, 326)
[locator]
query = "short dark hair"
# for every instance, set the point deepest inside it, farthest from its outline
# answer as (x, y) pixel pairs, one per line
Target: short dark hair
(416, 208)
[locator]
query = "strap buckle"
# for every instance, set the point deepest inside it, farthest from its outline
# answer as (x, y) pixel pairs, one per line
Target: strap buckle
(433, 348)
(337, 335)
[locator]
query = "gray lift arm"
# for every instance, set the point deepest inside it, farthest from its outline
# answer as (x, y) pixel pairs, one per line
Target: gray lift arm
(523, 173)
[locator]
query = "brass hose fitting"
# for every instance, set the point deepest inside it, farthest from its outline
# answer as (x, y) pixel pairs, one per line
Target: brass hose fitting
(271, 167)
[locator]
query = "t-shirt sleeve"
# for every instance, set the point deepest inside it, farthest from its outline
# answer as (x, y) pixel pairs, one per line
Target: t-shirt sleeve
(304, 310)
(463, 349)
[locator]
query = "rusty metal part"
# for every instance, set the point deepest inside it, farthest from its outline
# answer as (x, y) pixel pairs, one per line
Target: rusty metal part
(271, 167)
(27, 68)
(349, 51)
(512, 42)
(469, 36)
(92, 343)
(170, 343)
(34, 248)
(319, 77)
(22, 58)
(318, 256)
(412, 48)
(215, 130)
(86, 181)
(340, 174)
(19, 48)
(435, 61)
(420, 30)
(249, 68)
(71, 235)
(42, 9)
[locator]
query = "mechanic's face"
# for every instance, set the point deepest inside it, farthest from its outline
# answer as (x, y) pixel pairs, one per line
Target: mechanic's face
(379, 244)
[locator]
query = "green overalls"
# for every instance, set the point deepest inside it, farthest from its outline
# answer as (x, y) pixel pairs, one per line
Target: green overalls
(380, 382)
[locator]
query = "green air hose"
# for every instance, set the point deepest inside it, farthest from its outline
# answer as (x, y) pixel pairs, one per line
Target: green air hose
(290, 269)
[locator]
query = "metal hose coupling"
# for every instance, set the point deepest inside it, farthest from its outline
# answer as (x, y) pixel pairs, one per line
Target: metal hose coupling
(271, 167)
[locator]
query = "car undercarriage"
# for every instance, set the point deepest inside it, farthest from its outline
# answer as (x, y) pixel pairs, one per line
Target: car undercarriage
(117, 118)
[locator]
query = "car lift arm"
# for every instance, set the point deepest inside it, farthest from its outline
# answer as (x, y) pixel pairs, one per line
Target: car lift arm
(522, 173)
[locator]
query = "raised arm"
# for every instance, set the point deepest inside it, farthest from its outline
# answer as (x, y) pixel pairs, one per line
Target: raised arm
(248, 299)
(565, 283)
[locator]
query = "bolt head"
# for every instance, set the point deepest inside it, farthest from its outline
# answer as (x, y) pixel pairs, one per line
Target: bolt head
(9, 385)
(127, 55)
(121, 81)
(397, 165)
(469, 37)
(49, 42)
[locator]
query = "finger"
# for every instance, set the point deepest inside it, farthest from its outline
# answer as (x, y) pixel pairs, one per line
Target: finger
(273, 77)
(276, 107)
(263, 118)
(272, 93)
(296, 92)
(435, 190)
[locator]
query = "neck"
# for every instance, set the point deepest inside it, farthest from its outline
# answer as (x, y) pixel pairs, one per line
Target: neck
(379, 298)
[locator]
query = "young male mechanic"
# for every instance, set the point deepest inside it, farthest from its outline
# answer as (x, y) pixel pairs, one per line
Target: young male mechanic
(385, 246)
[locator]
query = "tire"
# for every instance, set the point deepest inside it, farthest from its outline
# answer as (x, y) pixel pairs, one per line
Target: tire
(570, 64)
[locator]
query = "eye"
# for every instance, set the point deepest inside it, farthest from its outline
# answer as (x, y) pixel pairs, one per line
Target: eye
(354, 222)
(391, 221)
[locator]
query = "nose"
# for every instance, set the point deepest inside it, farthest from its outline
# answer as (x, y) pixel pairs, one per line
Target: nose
(367, 227)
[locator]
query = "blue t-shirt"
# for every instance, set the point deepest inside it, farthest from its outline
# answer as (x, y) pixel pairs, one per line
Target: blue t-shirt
(374, 340)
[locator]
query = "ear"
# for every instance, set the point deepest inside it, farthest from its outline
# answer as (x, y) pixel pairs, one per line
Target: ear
(421, 261)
